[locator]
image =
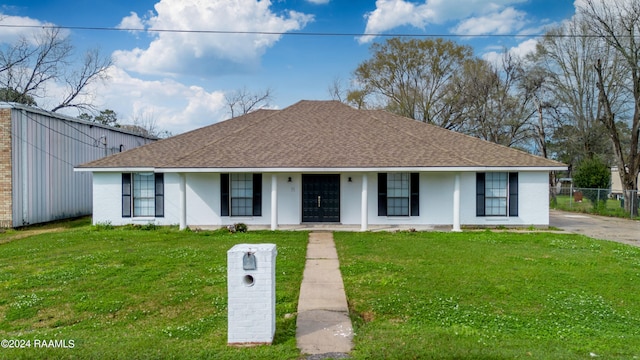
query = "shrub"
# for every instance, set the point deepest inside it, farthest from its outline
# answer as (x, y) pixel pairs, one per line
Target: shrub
(593, 174)
(241, 227)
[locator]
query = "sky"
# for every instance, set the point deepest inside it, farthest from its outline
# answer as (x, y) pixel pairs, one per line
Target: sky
(294, 48)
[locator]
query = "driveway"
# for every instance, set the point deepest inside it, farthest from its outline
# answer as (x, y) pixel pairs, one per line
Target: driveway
(598, 227)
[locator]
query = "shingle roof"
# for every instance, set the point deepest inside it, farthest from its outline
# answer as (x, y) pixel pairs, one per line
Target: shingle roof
(321, 134)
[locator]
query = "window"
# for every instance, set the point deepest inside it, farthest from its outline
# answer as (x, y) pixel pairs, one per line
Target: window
(398, 194)
(497, 194)
(241, 194)
(143, 195)
(495, 201)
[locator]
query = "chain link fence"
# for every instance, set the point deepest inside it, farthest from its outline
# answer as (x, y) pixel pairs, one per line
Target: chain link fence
(595, 201)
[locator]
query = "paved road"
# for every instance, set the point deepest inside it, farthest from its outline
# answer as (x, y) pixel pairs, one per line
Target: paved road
(598, 227)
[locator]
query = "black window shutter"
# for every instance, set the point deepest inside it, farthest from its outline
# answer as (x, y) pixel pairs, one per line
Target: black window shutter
(513, 194)
(382, 194)
(159, 195)
(480, 194)
(126, 195)
(415, 194)
(224, 194)
(257, 194)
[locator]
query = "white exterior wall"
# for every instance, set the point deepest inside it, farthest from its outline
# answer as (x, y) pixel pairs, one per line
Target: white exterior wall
(436, 201)
(533, 202)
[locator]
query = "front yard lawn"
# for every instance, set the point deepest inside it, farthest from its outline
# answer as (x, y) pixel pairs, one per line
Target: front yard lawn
(130, 293)
(140, 293)
(487, 295)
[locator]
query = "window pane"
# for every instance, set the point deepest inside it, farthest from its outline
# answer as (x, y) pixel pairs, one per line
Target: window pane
(241, 194)
(496, 194)
(144, 194)
(398, 194)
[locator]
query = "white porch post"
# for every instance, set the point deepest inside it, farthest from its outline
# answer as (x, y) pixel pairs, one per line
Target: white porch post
(183, 201)
(364, 207)
(456, 204)
(274, 202)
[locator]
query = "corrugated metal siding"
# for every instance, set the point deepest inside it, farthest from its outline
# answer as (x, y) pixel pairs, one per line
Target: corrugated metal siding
(45, 151)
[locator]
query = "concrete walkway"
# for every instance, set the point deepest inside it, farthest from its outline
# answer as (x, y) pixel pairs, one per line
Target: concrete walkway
(323, 324)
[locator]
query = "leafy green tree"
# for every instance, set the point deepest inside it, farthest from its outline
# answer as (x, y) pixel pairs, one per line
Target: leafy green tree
(11, 95)
(593, 174)
(105, 117)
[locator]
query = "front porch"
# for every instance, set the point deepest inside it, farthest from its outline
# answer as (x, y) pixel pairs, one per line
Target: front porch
(339, 227)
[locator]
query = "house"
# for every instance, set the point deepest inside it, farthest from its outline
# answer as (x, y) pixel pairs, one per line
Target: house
(322, 162)
(616, 184)
(38, 151)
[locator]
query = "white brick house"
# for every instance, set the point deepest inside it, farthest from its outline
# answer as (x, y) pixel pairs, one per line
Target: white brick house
(322, 162)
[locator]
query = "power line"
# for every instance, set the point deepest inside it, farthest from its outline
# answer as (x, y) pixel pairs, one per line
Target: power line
(294, 33)
(95, 144)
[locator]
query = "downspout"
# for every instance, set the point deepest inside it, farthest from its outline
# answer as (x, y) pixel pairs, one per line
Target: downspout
(24, 133)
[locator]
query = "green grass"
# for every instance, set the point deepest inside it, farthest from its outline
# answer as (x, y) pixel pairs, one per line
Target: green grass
(608, 207)
(135, 293)
(486, 295)
(149, 292)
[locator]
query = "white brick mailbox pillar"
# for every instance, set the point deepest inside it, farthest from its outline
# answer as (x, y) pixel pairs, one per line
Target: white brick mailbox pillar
(251, 287)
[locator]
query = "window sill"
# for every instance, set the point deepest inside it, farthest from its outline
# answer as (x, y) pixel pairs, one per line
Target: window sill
(495, 218)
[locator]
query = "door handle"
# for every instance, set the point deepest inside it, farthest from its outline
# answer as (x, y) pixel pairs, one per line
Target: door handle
(319, 200)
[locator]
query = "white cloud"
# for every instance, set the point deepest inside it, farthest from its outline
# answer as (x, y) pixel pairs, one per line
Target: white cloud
(393, 13)
(132, 22)
(521, 50)
(17, 27)
(174, 106)
(507, 21)
(172, 53)
(390, 14)
(319, 2)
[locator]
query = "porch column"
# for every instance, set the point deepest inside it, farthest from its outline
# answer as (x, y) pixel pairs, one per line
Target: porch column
(183, 201)
(364, 207)
(274, 202)
(456, 203)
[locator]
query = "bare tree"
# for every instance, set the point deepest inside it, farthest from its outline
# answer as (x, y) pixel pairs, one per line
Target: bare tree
(617, 22)
(27, 66)
(493, 101)
(567, 55)
(146, 125)
(241, 102)
(337, 90)
(411, 77)
(93, 68)
(356, 98)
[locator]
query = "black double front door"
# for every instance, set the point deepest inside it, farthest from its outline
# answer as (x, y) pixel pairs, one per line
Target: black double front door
(320, 198)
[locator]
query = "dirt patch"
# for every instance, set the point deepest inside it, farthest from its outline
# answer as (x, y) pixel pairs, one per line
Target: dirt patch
(21, 234)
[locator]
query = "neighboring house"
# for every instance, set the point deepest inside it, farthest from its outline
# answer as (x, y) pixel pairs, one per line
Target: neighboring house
(322, 162)
(38, 151)
(616, 184)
